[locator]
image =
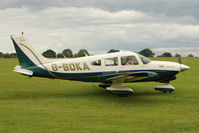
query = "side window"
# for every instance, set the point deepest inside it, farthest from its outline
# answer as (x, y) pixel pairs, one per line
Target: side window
(111, 61)
(129, 60)
(96, 63)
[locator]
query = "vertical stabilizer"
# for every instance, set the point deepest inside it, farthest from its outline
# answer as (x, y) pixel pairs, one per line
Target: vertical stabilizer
(27, 56)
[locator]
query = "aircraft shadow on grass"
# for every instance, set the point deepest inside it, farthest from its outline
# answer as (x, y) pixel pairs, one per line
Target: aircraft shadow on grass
(143, 96)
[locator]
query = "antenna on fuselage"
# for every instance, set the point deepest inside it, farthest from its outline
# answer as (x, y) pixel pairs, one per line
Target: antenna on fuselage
(64, 56)
(85, 53)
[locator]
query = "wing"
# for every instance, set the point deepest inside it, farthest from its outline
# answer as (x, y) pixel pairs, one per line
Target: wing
(133, 76)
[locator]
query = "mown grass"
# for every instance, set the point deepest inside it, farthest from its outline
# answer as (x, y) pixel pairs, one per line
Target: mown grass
(36, 105)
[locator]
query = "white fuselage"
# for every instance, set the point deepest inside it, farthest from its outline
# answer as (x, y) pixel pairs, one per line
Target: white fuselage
(84, 64)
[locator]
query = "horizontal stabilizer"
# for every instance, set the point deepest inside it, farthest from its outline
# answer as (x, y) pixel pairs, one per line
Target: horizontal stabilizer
(23, 71)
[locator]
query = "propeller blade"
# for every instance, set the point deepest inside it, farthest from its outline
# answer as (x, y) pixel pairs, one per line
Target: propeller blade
(180, 62)
(179, 59)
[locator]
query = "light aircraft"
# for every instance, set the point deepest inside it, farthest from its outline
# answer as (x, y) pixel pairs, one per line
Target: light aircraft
(109, 70)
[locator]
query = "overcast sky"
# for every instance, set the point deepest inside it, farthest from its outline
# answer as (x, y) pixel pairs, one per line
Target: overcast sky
(100, 25)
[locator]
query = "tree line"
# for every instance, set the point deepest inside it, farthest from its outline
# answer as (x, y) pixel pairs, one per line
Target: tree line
(67, 53)
(148, 53)
(8, 55)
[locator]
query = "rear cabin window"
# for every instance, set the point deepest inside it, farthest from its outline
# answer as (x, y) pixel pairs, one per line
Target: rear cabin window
(129, 60)
(111, 61)
(96, 63)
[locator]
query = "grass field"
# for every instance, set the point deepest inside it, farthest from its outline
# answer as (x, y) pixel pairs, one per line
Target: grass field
(36, 105)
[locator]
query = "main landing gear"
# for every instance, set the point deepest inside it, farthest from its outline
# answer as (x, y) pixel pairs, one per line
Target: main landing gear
(123, 91)
(165, 88)
(117, 89)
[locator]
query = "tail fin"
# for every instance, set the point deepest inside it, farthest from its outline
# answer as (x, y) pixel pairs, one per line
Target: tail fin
(27, 56)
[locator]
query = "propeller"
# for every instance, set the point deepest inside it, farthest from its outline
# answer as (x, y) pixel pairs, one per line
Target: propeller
(182, 66)
(180, 62)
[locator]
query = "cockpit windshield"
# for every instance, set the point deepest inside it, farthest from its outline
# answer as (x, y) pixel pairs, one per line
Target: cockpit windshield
(144, 59)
